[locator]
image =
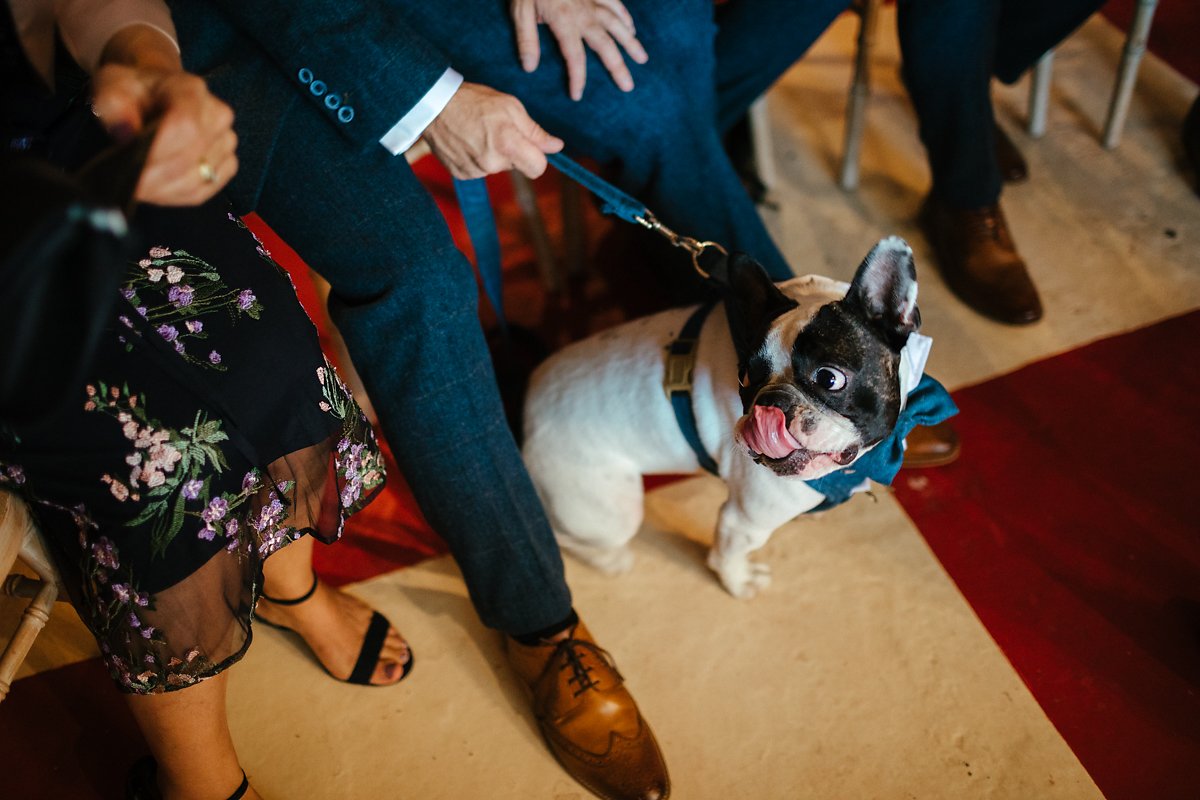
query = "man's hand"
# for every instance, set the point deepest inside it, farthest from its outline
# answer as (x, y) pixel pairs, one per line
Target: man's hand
(192, 156)
(600, 24)
(482, 131)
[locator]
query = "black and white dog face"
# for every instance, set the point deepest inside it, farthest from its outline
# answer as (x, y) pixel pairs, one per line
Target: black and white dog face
(819, 376)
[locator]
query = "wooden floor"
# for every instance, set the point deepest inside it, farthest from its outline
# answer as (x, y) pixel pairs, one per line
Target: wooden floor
(862, 672)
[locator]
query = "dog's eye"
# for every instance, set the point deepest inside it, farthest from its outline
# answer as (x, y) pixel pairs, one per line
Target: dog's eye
(830, 379)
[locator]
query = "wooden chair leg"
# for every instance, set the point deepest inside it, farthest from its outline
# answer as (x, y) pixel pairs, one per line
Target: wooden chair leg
(17, 534)
(526, 198)
(763, 143)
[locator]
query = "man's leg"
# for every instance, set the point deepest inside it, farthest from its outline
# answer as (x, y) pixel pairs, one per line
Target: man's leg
(757, 41)
(949, 49)
(1028, 29)
(405, 300)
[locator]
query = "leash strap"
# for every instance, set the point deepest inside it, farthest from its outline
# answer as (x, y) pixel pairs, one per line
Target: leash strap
(481, 225)
(476, 209)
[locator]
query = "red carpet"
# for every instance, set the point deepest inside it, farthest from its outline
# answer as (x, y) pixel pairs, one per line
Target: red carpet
(1072, 528)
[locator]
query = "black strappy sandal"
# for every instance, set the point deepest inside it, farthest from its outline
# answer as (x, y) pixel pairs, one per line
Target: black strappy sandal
(368, 654)
(142, 783)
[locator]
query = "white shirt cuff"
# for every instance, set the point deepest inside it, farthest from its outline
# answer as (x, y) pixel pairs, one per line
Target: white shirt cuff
(406, 132)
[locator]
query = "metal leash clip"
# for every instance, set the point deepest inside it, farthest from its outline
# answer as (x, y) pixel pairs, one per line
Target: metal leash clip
(694, 247)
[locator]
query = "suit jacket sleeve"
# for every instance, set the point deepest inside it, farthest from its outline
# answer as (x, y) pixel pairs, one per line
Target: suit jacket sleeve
(359, 62)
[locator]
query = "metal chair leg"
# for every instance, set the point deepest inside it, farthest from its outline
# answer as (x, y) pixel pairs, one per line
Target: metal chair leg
(1039, 94)
(860, 90)
(1131, 59)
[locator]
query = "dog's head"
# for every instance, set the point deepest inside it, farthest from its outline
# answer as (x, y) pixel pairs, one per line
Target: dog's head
(818, 364)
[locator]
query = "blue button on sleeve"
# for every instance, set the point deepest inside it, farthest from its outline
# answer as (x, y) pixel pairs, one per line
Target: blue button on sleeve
(345, 113)
(332, 101)
(305, 75)
(317, 87)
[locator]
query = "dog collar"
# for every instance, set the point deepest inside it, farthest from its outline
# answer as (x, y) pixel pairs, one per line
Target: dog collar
(677, 382)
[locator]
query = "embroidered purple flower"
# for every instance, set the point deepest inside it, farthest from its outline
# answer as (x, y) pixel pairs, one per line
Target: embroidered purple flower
(245, 299)
(215, 511)
(159, 252)
(181, 296)
(207, 533)
(194, 325)
(141, 310)
(272, 540)
(142, 599)
(105, 554)
(127, 293)
(121, 590)
(179, 346)
(15, 474)
(250, 482)
(148, 631)
(134, 622)
(168, 332)
(214, 357)
(270, 514)
(191, 489)
(231, 527)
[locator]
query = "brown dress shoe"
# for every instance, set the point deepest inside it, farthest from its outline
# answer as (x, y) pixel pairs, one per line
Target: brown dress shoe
(589, 719)
(1013, 168)
(931, 446)
(980, 263)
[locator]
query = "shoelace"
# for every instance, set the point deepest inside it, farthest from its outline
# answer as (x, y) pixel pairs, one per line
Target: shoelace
(582, 676)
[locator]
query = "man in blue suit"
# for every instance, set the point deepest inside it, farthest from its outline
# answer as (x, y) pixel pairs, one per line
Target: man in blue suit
(326, 92)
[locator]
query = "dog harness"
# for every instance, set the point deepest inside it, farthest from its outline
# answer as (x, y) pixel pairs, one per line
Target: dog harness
(927, 404)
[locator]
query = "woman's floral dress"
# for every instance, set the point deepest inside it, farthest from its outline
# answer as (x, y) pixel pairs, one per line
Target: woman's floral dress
(211, 433)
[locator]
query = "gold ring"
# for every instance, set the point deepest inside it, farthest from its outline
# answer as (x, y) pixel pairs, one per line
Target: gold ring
(207, 173)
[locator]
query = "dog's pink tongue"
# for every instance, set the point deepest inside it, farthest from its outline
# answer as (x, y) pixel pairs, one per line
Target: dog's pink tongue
(767, 433)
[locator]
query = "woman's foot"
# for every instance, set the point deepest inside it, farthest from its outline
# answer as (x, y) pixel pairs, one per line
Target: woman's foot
(334, 624)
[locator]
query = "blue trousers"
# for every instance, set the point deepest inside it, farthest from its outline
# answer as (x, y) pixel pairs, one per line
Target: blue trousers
(951, 50)
(405, 298)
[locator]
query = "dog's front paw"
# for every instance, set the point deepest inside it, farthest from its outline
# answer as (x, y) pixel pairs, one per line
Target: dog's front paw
(740, 576)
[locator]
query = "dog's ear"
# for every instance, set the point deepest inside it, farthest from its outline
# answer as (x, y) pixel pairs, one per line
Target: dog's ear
(751, 304)
(885, 291)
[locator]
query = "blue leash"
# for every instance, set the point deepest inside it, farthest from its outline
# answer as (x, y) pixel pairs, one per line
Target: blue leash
(485, 240)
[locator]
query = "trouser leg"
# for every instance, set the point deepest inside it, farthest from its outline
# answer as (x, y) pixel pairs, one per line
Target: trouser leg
(1027, 29)
(405, 300)
(757, 41)
(948, 49)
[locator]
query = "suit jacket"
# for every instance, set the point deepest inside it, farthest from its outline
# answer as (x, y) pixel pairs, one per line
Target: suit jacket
(356, 62)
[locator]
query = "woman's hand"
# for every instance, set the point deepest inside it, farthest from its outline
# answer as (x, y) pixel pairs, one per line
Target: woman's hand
(141, 81)
(603, 25)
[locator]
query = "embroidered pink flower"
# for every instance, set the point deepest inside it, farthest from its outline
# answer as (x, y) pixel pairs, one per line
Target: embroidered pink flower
(159, 252)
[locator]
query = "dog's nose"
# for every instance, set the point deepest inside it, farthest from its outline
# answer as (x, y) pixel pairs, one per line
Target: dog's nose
(778, 397)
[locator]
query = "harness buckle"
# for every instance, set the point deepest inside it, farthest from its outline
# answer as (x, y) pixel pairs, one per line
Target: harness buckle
(681, 362)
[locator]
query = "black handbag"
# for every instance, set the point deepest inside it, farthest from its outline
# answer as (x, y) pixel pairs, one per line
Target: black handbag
(64, 243)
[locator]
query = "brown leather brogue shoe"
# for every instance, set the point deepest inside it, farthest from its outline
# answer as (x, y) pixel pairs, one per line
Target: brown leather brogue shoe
(980, 263)
(931, 446)
(1013, 168)
(589, 719)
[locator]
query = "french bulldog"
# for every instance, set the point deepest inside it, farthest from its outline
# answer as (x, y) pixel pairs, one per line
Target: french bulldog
(791, 382)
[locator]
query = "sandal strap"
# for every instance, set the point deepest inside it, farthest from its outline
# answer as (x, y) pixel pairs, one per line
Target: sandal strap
(240, 792)
(372, 646)
(291, 602)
